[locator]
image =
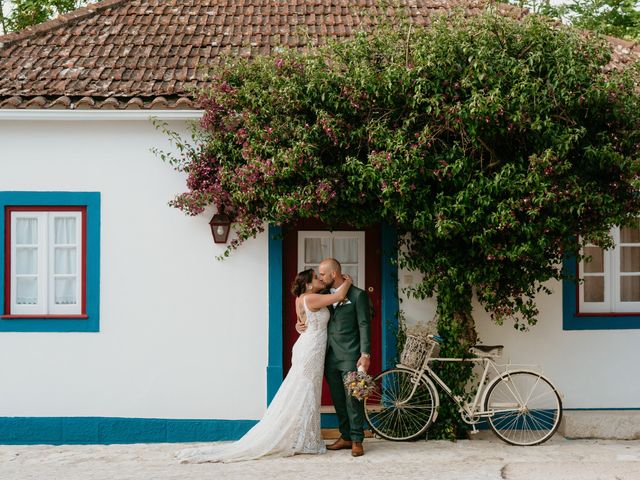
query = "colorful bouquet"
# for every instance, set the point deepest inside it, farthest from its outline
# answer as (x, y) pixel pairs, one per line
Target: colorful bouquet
(359, 385)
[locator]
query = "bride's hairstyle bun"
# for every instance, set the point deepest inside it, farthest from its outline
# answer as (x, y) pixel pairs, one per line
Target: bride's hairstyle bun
(299, 285)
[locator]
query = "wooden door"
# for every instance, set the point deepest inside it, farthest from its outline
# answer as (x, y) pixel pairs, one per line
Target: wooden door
(359, 252)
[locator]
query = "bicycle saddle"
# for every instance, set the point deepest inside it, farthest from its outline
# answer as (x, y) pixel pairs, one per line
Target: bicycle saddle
(487, 350)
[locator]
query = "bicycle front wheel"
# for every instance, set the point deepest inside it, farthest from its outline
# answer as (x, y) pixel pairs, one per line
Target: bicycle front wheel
(526, 408)
(393, 412)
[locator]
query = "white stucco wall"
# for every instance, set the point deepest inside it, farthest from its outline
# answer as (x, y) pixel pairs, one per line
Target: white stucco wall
(594, 369)
(182, 335)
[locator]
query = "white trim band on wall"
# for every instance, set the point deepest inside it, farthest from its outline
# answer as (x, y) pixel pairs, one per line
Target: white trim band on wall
(100, 115)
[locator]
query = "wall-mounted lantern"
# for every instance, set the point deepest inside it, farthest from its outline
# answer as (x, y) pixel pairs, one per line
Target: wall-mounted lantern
(220, 226)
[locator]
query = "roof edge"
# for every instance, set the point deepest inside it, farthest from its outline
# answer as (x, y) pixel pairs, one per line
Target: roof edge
(60, 20)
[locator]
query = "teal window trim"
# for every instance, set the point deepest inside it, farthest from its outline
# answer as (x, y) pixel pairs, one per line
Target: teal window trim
(572, 319)
(90, 200)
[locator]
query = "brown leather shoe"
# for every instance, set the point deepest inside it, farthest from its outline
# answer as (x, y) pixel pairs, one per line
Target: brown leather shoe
(339, 444)
(357, 450)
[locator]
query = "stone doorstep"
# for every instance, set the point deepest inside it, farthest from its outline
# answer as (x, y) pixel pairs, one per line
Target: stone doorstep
(601, 424)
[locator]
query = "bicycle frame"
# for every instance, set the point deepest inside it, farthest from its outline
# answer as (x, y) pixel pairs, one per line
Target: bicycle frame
(470, 412)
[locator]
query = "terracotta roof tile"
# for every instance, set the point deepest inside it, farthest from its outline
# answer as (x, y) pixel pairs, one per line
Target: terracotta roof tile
(146, 53)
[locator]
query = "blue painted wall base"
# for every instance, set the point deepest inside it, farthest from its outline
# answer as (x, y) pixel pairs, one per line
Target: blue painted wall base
(110, 430)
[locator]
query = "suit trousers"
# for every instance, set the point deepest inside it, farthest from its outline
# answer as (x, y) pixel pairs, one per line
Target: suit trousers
(349, 410)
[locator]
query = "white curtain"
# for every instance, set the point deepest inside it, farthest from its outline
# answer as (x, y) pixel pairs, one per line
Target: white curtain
(593, 283)
(64, 261)
(345, 250)
(353, 271)
(316, 249)
(594, 289)
(26, 231)
(65, 289)
(27, 290)
(65, 230)
(27, 261)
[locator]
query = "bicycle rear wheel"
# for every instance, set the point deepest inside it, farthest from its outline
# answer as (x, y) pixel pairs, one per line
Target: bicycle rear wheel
(395, 414)
(527, 408)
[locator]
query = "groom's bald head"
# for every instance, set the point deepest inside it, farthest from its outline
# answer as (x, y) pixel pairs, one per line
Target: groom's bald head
(330, 272)
(332, 264)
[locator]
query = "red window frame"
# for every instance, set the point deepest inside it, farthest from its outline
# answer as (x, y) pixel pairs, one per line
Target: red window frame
(7, 270)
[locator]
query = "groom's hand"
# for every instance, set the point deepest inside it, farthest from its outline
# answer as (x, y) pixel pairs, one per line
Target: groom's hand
(364, 361)
(300, 327)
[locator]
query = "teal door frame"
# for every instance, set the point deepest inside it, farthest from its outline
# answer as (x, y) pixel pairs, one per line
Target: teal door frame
(389, 324)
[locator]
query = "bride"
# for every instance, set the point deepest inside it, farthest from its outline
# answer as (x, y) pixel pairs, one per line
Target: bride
(292, 422)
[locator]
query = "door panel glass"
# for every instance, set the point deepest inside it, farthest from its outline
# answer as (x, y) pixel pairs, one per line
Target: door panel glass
(345, 250)
(351, 270)
(316, 249)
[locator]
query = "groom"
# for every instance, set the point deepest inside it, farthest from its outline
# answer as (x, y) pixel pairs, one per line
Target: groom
(348, 347)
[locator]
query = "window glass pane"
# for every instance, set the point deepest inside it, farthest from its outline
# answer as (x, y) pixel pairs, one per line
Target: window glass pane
(594, 289)
(630, 289)
(316, 249)
(27, 291)
(65, 230)
(630, 234)
(64, 260)
(630, 259)
(314, 267)
(65, 291)
(26, 231)
(26, 261)
(345, 250)
(596, 265)
(351, 270)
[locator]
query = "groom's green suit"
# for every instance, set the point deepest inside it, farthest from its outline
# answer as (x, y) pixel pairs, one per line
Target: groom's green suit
(348, 335)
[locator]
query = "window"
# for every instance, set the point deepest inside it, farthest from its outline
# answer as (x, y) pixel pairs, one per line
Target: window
(45, 260)
(612, 277)
(609, 295)
(50, 261)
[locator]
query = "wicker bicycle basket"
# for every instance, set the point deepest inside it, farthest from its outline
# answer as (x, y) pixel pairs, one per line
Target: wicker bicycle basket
(416, 350)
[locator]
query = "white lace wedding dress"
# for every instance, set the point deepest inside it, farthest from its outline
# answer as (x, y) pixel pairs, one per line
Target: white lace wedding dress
(292, 422)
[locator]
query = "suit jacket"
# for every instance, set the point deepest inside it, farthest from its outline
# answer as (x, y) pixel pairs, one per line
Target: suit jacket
(349, 329)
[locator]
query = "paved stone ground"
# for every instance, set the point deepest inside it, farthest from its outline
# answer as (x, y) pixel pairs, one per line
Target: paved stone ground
(558, 459)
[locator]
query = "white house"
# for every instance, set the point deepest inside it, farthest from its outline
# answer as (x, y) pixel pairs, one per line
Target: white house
(118, 324)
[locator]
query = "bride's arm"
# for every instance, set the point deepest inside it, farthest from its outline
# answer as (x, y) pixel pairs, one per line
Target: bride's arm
(316, 301)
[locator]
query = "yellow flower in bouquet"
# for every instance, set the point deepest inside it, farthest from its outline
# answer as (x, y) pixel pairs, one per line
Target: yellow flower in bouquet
(359, 385)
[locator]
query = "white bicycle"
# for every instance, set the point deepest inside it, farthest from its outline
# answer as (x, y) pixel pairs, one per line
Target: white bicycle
(521, 406)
